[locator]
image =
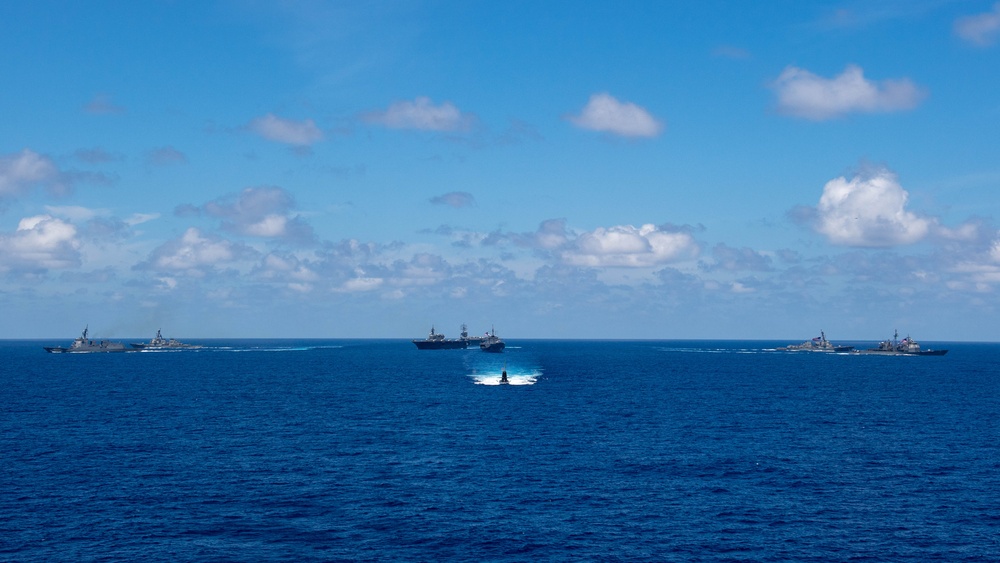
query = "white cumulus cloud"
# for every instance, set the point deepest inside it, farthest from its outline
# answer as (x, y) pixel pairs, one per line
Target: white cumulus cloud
(804, 94)
(275, 266)
(629, 246)
(288, 271)
(41, 242)
(869, 210)
(422, 114)
(21, 171)
(551, 234)
(261, 212)
(606, 114)
(194, 253)
(980, 29)
(76, 213)
(298, 133)
(362, 284)
(995, 251)
(269, 226)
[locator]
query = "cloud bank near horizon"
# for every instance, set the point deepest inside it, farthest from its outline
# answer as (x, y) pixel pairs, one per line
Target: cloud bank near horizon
(321, 165)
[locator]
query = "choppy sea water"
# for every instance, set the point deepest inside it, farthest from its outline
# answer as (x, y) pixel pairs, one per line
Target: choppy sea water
(370, 450)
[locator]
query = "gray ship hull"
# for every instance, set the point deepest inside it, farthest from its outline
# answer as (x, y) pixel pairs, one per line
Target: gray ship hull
(904, 347)
(160, 343)
(878, 352)
(437, 341)
(492, 343)
(452, 344)
(493, 347)
(83, 345)
(819, 344)
(110, 347)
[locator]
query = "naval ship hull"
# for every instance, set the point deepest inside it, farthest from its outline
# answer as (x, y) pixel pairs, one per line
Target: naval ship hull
(84, 345)
(441, 344)
(905, 347)
(493, 347)
(877, 352)
(88, 350)
(437, 341)
(492, 343)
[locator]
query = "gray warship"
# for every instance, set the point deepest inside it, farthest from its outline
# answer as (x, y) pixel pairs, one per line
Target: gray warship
(818, 344)
(904, 347)
(492, 343)
(83, 345)
(160, 343)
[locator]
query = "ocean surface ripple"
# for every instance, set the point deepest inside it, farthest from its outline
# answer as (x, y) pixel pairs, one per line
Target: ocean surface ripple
(370, 450)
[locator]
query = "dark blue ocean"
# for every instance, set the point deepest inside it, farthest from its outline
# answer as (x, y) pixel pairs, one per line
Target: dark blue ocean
(370, 450)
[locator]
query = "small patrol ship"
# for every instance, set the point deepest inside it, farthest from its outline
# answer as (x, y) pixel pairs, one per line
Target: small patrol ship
(492, 343)
(160, 343)
(437, 341)
(83, 345)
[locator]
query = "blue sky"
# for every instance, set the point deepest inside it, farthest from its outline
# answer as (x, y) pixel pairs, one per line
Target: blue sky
(553, 169)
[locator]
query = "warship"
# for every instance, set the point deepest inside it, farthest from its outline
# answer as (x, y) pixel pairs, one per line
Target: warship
(492, 343)
(818, 344)
(160, 343)
(904, 347)
(83, 345)
(437, 341)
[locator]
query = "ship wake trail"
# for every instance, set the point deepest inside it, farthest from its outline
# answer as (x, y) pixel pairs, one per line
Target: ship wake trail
(491, 378)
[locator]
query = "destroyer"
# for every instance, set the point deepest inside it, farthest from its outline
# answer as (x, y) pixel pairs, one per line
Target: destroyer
(904, 347)
(818, 344)
(83, 345)
(160, 343)
(437, 341)
(492, 343)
